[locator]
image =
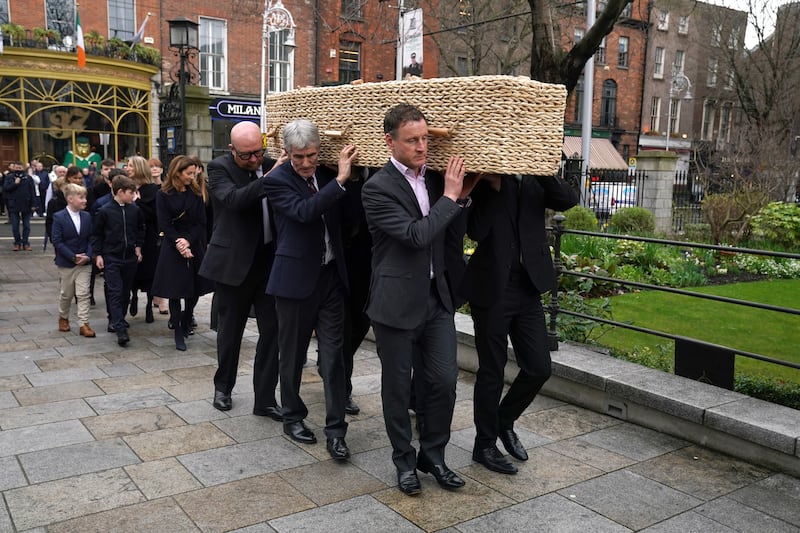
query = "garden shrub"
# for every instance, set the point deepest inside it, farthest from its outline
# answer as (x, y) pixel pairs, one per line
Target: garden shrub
(698, 232)
(778, 223)
(580, 218)
(633, 220)
(768, 389)
(727, 214)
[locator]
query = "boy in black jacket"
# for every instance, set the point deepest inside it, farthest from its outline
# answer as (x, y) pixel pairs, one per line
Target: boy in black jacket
(117, 235)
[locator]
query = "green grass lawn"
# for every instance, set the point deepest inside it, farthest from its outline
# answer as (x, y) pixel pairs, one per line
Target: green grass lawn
(763, 332)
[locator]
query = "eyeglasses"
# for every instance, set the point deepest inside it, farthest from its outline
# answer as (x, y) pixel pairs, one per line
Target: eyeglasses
(245, 156)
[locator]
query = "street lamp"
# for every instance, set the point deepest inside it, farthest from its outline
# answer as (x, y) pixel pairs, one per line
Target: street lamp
(678, 84)
(183, 38)
(276, 18)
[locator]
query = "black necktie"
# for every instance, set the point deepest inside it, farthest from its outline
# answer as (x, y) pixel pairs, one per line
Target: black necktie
(311, 185)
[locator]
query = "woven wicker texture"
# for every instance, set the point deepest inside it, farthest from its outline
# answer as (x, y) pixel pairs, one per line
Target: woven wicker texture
(499, 124)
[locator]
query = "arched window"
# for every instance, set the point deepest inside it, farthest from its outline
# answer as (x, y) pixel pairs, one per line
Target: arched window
(608, 109)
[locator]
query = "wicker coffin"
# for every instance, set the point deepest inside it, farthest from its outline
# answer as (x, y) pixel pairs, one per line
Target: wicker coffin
(499, 124)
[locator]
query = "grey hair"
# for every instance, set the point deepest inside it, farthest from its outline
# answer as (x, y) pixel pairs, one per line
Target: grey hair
(299, 135)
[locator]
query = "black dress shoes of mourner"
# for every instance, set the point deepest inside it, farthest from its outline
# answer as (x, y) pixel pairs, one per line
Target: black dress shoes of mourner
(446, 478)
(338, 449)
(512, 444)
(299, 432)
(273, 411)
(492, 459)
(222, 401)
(408, 482)
(351, 407)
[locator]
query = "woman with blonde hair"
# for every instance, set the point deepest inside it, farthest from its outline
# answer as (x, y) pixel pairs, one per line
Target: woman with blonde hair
(182, 221)
(138, 169)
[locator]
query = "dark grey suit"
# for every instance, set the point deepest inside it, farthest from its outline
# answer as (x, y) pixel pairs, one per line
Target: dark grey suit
(239, 261)
(410, 311)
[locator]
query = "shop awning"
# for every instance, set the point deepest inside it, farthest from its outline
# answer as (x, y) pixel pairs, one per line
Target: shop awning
(602, 154)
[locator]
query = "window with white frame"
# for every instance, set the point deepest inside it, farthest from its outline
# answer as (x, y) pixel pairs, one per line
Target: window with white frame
(351, 9)
(678, 62)
(674, 116)
(213, 34)
(349, 61)
(121, 17)
(708, 120)
(733, 39)
(655, 113)
(683, 25)
(281, 62)
(624, 44)
(663, 20)
(4, 12)
(600, 55)
(716, 35)
(577, 35)
(725, 122)
(658, 63)
(713, 65)
(730, 79)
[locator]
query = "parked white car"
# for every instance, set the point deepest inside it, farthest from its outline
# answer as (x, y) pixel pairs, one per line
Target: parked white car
(607, 197)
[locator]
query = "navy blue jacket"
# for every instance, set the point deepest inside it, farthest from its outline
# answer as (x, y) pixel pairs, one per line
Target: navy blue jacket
(19, 196)
(67, 241)
(117, 230)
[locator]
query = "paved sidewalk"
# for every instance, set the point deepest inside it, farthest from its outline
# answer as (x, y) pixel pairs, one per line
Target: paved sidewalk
(94, 437)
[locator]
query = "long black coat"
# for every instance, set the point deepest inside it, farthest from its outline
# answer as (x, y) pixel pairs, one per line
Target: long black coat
(146, 270)
(180, 214)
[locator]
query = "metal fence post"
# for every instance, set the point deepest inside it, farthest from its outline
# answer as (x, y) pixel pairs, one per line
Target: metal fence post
(558, 230)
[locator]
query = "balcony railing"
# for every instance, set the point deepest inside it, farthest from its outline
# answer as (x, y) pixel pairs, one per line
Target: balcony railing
(113, 48)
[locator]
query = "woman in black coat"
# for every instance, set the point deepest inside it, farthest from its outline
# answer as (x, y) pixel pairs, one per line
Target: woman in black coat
(182, 224)
(138, 169)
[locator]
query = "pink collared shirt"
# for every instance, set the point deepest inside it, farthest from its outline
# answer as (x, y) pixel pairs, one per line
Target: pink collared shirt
(417, 182)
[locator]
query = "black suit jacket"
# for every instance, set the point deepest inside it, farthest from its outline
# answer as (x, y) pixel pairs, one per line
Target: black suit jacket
(300, 229)
(509, 223)
(238, 221)
(405, 243)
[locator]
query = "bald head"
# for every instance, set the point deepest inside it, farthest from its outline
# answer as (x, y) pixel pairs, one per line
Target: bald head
(247, 146)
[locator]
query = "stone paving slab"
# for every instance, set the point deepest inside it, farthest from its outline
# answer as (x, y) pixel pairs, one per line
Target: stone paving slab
(132, 422)
(129, 401)
(177, 441)
(66, 375)
(242, 503)
(358, 514)
(54, 393)
(743, 518)
(42, 437)
(56, 501)
(550, 512)
(633, 441)
(164, 477)
(11, 475)
(629, 499)
(161, 515)
(239, 461)
(766, 423)
(777, 495)
(76, 459)
(43, 413)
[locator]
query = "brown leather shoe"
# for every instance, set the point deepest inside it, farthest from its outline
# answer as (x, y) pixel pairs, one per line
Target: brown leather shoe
(16, 247)
(63, 324)
(87, 331)
(27, 248)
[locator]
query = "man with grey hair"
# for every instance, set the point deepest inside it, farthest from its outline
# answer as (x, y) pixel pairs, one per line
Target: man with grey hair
(309, 279)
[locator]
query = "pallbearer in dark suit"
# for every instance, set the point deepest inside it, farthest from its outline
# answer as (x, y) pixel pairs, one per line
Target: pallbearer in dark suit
(409, 212)
(503, 283)
(239, 259)
(309, 278)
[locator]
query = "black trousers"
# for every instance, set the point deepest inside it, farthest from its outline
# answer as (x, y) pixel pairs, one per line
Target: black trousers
(322, 312)
(520, 316)
(119, 275)
(430, 350)
(233, 303)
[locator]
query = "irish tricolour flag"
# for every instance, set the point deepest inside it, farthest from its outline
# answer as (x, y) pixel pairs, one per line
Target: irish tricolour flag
(79, 46)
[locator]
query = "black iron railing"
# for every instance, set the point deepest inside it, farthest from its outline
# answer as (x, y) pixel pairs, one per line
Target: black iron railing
(694, 358)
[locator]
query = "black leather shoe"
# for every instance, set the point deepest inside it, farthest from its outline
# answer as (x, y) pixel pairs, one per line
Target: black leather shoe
(134, 306)
(273, 411)
(408, 482)
(299, 432)
(512, 444)
(338, 449)
(446, 478)
(122, 337)
(351, 407)
(222, 401)
(492, 459)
